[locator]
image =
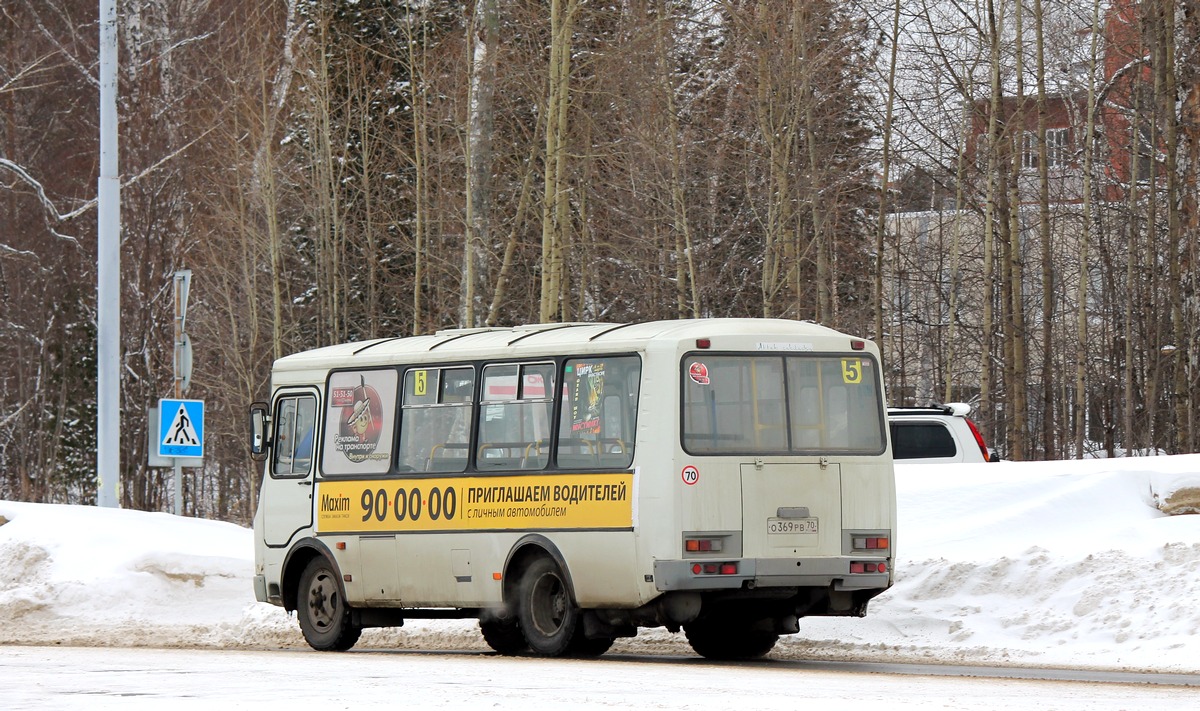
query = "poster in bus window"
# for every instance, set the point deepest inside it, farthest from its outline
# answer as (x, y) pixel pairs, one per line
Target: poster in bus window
(360, 421)
(589, 392)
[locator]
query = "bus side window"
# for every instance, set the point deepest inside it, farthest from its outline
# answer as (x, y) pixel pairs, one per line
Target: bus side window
(435, 420)
(515, 416)
(295, 419)
(596, 424)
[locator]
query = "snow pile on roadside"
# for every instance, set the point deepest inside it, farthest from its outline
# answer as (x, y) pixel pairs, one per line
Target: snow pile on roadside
(1042, 564)
(1067, 564)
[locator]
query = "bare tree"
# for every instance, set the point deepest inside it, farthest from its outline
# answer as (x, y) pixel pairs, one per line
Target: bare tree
(555, 212)
(485, 32)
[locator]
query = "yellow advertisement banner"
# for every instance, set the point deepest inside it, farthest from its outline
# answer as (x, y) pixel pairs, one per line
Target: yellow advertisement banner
(473, 503)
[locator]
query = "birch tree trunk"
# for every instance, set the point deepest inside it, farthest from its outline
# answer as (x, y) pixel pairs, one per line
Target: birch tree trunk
(416, 43)
(1130, 438)
(956, 259)
(687, 297)
(1081, 294)
(818, 192)
(1017, 376)
(1049, 431)
(555, 202)
(1166, 90)
(775, 110)
(485, 37)
(885, 168)
(995, 19)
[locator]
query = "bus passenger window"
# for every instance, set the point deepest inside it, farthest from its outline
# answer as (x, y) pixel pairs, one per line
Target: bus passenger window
(596, 428)
(359, 432)
(435, 419)
(514, 417)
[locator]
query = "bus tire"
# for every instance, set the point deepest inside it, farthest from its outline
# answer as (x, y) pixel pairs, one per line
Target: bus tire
(545, 611)
(728, 642)
(589, 646)
(322, 610)
(503, 635)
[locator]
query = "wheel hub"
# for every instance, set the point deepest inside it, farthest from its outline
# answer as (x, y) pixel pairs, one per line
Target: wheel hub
(317, 600)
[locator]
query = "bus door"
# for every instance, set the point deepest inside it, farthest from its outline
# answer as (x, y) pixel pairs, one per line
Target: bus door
(287, 489)
(791, 509)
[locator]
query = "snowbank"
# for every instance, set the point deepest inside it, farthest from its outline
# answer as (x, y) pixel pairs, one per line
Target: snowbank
(1068, 564)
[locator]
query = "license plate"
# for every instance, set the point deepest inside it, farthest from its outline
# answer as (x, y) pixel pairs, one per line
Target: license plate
(792, 525)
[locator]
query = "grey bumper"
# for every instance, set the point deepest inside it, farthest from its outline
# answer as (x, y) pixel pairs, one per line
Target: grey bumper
(771, 573)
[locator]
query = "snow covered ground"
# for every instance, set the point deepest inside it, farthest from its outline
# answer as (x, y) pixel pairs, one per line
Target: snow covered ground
(1056, 564)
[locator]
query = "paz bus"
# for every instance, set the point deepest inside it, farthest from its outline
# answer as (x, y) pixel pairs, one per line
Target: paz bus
(567, 484)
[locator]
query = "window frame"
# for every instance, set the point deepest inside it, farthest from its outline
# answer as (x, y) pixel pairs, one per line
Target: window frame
(277, 420)
(516, 403)
(928, 425)
(790, 449)
(388, 409)
(628, 414)
(477, 407)
(404, 408)
(1058, 142)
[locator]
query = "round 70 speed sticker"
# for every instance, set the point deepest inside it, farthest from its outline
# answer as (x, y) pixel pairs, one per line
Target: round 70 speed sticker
(690, 475)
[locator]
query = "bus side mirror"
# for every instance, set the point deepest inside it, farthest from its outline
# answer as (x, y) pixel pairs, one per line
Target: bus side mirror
(259, 440)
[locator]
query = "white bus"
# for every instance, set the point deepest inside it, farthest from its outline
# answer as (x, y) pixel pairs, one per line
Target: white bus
(569, 483)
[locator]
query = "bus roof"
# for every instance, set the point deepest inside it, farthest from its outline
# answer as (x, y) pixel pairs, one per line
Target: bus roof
(548, 338)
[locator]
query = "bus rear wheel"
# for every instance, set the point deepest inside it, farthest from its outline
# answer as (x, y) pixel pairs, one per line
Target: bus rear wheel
(503, 635)
(583, 646)
(545, 611)
(725, 641)
(322, 610)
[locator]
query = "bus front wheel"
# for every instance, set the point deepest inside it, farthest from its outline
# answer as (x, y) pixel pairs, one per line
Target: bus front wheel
(547, 616)
(323, 612)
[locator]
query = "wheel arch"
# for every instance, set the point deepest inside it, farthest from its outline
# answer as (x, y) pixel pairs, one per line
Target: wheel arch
(298, 558)
(526, 549)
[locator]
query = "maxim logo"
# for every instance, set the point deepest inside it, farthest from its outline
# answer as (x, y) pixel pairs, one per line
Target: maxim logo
(335, 504)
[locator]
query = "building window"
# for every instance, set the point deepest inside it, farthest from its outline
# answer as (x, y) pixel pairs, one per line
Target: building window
(1029, 150)
(1056, 149)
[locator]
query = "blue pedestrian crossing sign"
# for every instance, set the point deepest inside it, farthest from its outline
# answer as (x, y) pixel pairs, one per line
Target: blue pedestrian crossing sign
(180, 428)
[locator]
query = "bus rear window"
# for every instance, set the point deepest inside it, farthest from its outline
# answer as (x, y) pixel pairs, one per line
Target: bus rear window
(743, 404)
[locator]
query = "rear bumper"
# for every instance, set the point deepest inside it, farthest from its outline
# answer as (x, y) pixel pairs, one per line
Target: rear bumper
(834, 573)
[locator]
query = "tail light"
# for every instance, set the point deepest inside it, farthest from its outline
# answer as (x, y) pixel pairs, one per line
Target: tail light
(979, 440)
(871, 543)
(703, 545)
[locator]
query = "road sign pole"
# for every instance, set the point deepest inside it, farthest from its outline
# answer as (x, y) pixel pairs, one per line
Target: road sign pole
(108, 274)
(182, 283)
(178, 487)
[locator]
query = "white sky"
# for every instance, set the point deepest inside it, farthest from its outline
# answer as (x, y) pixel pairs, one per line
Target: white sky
(1059, 564)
